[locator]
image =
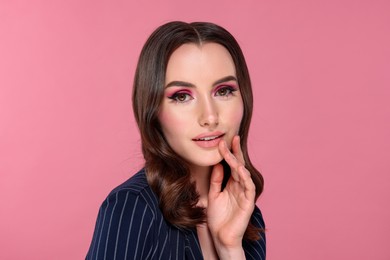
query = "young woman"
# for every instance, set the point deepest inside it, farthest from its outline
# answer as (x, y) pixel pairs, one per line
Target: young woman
(195, 197)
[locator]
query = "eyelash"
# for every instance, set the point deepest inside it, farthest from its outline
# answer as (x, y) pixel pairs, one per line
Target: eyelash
(187, 96)
(230, 90)
(175, 97)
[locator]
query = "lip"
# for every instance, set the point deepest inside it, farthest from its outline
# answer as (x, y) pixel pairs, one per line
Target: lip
(208, 140)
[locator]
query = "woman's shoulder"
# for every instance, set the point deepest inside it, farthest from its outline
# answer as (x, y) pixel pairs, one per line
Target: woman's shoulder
(129, 222)
(136, 183)
(135, 191)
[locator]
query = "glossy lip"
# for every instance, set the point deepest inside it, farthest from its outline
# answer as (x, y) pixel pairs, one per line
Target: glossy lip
(213, 142)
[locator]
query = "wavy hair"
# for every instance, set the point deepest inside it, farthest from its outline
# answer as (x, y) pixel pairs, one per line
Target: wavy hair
(167, 173)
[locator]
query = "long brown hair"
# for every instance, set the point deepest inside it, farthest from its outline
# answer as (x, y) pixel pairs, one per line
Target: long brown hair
(167, 173)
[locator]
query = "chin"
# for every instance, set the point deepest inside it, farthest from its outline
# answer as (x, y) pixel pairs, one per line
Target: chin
(207, 162)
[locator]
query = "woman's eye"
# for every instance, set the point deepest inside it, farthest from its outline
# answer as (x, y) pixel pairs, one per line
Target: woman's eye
(225, 91)
(181, 97)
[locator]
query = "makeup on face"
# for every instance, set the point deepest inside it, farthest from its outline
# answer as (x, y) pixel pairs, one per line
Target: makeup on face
(225, 90)
(202, 102)
(181, 92)
(208, 140)
(180, 96)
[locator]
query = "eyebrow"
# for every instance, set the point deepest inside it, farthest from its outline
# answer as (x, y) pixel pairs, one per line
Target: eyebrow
(190, 85)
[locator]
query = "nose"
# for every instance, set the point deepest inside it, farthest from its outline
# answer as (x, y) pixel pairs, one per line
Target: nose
(208, 113)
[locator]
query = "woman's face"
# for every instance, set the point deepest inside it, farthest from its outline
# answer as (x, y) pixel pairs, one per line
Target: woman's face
(202, 102)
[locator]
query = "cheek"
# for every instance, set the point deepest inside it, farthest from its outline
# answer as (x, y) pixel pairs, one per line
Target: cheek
(235, 114)
(239, 115)
(171, 121)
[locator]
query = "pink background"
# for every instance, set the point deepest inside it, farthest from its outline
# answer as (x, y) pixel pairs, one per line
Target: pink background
(320, 133)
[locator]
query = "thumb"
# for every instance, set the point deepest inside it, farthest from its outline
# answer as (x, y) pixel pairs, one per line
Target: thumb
(216, 181)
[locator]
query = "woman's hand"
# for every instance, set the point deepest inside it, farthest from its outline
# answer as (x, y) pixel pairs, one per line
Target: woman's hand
(229, 211)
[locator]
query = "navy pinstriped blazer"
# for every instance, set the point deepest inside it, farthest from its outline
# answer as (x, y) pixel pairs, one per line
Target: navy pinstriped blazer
(130, 225)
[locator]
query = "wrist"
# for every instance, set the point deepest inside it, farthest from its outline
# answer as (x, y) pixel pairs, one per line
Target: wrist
(229, 251)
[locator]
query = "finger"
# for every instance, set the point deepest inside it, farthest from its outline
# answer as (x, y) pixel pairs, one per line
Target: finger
(216, 181)
(246, 178)
(227, 155)
(236, 148)
(247, 183)
(230, 159)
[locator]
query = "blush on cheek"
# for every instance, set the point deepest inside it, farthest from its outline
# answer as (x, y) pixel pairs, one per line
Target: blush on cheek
(236, 116)
(171, 120)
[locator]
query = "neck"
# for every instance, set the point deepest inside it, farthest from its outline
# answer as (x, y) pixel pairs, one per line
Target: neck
(201, 176)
